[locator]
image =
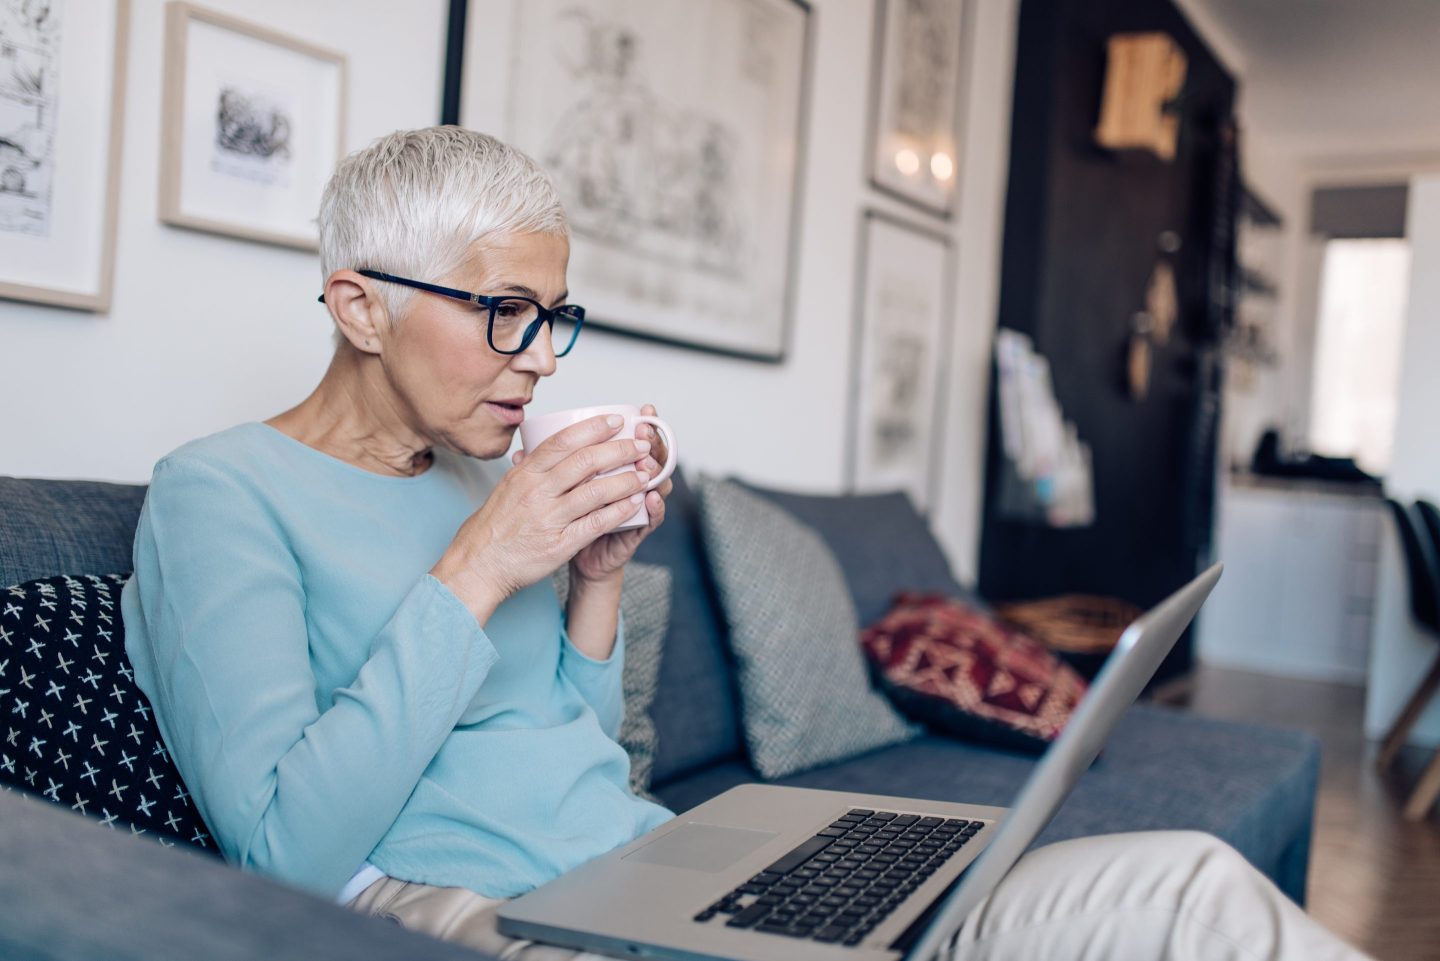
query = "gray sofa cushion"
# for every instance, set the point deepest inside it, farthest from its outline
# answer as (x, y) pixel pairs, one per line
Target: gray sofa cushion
(882, 543)
(695, 710)
(1162, 770)
(50, 527)
(805, 691)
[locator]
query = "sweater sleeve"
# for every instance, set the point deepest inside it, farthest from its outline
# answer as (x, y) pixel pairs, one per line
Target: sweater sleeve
(215, 615)
(600, 683)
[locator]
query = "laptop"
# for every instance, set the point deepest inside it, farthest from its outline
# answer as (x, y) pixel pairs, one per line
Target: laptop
(770, 873)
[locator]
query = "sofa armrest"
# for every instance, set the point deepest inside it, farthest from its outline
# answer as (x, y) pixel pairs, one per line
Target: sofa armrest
(74, 891)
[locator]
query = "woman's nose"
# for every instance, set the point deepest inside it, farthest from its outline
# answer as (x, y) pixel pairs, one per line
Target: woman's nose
(539, 356)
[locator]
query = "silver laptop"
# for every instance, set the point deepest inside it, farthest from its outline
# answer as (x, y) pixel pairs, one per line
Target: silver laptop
(769, 873)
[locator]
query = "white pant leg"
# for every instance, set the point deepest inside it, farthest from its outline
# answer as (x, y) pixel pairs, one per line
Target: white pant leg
(1151, 896)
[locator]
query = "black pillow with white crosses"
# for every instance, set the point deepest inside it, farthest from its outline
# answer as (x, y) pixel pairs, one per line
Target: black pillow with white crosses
(76, 728)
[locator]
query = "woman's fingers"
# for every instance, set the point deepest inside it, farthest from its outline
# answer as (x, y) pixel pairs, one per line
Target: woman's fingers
(585, 463)
(596, 493)
(573, 439)
(600, 522)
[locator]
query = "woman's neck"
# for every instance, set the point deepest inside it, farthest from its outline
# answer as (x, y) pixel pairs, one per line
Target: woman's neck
(352, 415)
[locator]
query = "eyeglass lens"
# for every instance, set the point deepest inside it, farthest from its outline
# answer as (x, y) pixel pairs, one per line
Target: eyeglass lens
(513, 317)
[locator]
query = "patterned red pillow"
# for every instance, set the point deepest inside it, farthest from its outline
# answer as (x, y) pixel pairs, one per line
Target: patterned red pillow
(966, 673)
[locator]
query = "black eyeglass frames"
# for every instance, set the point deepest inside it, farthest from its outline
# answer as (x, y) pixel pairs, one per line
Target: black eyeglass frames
(513, 323)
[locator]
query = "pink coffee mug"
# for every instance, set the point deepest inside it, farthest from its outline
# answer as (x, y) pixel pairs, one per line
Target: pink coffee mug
(534, 431)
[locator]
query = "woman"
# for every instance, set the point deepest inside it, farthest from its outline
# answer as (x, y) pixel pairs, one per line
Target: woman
(344, 621)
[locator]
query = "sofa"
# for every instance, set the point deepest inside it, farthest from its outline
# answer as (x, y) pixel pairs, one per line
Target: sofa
(1252, 786)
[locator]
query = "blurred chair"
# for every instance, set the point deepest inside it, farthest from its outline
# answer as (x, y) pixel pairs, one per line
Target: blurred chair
(1419, 530)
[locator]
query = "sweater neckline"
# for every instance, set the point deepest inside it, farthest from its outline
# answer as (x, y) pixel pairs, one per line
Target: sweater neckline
(338, 465)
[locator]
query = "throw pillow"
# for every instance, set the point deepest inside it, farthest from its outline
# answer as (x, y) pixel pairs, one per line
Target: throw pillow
(645, 605)
(966, 673)
(77, 729)
(805, 693)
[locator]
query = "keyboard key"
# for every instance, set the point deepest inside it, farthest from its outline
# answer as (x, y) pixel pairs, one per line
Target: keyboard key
(804, 852)
(831, 833)
(932, 822)
(850, 940)
(863, 812)
(831, 934)
(749, 916)
(883, 816)
(906, 819)
(705, 915)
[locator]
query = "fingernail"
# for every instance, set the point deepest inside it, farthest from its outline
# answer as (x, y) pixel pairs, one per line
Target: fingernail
(615, 420)
(642, 445)
(642, 476)
(636, 498)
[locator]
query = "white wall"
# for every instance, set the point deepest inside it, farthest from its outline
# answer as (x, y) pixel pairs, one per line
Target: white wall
(1399, 652)
(204, 331)
(207, 331)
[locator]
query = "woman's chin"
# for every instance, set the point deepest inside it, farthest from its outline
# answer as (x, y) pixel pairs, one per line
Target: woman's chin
(482, 442)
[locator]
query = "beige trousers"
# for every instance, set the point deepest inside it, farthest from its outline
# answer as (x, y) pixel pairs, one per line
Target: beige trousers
(1157, 896)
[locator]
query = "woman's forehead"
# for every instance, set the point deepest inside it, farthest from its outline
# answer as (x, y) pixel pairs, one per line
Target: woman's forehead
(529, 258)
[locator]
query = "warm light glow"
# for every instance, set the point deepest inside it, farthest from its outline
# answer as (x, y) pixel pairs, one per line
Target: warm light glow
(908, 161)
(942, 166)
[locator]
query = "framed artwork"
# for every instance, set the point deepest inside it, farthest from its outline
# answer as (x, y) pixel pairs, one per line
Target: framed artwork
(62, 94)
(672, 131)
(252, 127)
(900, 348)
(915, 141)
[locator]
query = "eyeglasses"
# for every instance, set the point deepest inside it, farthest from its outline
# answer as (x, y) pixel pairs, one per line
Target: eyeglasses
(514, 322)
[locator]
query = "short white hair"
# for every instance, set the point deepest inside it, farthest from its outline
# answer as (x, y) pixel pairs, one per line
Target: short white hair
(415, 202)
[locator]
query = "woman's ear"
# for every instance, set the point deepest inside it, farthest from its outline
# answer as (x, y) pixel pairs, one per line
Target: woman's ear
(357, 310)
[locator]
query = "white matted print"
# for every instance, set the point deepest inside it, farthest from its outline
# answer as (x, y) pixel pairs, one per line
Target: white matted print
(253, 128)
(916, 112)
(62, 76)
(672, 131)
(900, 346)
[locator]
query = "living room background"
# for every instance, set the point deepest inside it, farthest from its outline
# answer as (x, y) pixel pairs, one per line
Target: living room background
(232, 327)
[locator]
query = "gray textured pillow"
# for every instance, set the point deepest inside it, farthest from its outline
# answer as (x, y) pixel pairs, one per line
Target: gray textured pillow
(645, 605)
(805, 691)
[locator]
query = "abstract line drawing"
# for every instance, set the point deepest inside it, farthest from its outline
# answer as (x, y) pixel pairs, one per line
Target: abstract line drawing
(898, 378)
(927, 65)
(29, 102)
(673, 134)
(639, 172)
(253, 133)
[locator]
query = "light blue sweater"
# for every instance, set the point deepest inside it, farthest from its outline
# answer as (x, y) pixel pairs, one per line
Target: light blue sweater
(327, 701)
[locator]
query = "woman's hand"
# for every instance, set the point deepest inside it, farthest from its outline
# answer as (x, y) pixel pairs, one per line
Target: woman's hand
(605, 557)
(545, 512)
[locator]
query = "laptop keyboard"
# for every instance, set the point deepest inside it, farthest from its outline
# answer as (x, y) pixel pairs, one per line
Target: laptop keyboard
(838, 885)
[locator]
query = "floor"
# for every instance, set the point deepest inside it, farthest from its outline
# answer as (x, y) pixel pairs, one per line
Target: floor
(1374, 877)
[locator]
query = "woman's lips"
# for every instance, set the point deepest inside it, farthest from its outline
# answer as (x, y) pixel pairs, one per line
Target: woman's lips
(509, 415)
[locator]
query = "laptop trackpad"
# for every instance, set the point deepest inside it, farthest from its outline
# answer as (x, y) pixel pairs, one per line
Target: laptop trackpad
(701, 847)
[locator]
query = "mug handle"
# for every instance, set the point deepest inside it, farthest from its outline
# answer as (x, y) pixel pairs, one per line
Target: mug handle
(668, 467)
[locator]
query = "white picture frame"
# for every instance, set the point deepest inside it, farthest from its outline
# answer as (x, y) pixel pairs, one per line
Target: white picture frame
(253, 125)
(900, 348)
(920, 55)
(673, 133)
(62, 96)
